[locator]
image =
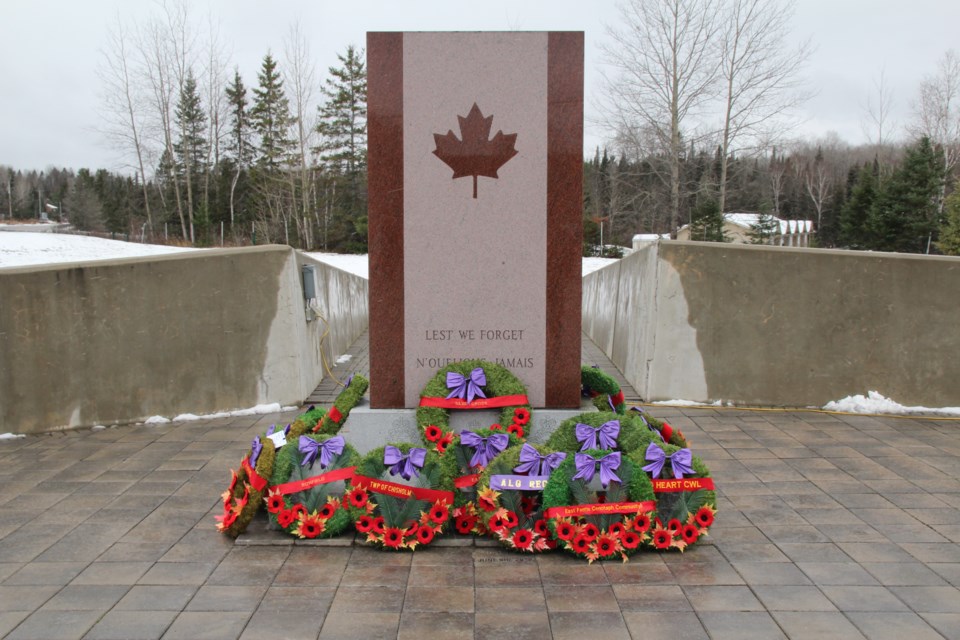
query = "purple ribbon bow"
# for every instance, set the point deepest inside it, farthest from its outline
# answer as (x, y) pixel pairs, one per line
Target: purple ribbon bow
(607, 434)
(587, 464)
(647, 424)
(255, 448)
(408, 465)
(534, 464)
(681, 461)
(327, 449)
(466, 388)
(485, 449)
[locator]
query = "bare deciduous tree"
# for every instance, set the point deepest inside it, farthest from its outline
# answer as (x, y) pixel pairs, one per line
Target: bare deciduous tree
(300, 79)
(937, 114)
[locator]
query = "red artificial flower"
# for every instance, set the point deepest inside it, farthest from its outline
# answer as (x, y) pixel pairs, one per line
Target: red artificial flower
(590, 532)
(487, 499)
(444, 442)
(496, 427)
(689, 533)
(496, 523)
(580, 544)
(377, 526)
(299, 511)
(285, 518)
(630, 539)
(662, 538)
(227, 519)
(439, 512)
(274, 501)
(328, 510)
(510, 519)
(432, 433)
(392, 537)
(412, 528)
(310, 526)
(424, 535)
(551, 544)
(528, 504)
(465, 524)
(606, 545)
(357, 498)
(704, 516)
(540, 527)
(641, 524)
(674, 525)
(522, 539)
(565, 530)
(516, 430)
(521, 416)
(616, 529)
(364, 524)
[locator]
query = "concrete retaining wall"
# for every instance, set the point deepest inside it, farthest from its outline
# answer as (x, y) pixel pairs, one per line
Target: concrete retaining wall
(121, 340)
(779, 326)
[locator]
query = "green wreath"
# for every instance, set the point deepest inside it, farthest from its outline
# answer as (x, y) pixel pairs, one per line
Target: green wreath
(633, 433)
(317, 507)
(456, 464)
(322, 421)
(603, 389)
(596, 522)
(434, 421)
(242, 497)
(513, 517)
(683, 516)
(398, 522)
(668, 434)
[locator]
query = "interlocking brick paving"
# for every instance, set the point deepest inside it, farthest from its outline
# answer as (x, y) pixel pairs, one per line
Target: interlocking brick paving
(829, 526)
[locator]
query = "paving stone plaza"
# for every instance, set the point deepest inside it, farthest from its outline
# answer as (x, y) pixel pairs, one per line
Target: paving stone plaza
(829, 526)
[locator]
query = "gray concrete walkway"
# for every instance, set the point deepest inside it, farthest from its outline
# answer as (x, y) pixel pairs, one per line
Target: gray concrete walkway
(829, 527)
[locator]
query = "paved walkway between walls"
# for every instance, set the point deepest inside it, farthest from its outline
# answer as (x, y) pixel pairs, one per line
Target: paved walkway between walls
(829, 527)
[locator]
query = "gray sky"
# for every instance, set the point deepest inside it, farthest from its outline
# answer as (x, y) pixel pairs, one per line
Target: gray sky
(49, 51)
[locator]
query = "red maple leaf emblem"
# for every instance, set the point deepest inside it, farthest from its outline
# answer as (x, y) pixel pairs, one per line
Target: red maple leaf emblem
(475, 155)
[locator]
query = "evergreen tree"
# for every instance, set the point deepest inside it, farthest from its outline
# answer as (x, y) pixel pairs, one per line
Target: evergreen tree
(706, 222)
(240, 152)
(904, 217)
(191, 148)
(270, 117)
(764, 230)
(83, 204)
(949, 242)
(343, 150)
(855, 215)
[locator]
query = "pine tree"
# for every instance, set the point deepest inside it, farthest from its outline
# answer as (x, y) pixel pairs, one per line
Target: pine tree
(764, 230)
(949, 242)
(342, 127)
(904, 217)
(855, 215)
(270, 117)
(191, 148)
(239, 147)
(706, 222)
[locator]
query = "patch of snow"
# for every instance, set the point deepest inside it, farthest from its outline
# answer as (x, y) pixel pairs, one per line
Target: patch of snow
(30, 248)
(344, 358)
(156, 420)
(594, 264)
(690, 403)
(11, 436)
(357, 264)
(260, 409)
(876, 403)
(97, 427)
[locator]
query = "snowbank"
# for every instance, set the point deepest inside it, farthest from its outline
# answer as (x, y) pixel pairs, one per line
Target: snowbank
(356, 264)
(30, 248)
(260, 409)
(875, 403)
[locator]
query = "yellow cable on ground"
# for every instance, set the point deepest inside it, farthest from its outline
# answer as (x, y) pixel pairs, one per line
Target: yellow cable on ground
(326, 332)
(801, 410)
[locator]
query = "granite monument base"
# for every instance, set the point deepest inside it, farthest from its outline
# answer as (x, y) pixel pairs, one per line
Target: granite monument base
(366, 428)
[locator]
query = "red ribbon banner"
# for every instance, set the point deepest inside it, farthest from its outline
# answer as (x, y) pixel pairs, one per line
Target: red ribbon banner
(600, 509)
(256, 481)
(466, 481)
(402, 491)
(302, 485)
(669, 485)
(478, 403)
(335, 415)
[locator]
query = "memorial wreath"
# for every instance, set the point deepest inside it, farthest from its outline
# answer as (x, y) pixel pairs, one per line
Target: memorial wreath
(601, 430)
(242, 497)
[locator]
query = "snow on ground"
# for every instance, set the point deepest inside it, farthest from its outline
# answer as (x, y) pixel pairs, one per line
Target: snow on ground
(874, 403)
(689, 403)
(260, 409)
(593, 264)
(349, 262)
(11, 436)
(23, 249)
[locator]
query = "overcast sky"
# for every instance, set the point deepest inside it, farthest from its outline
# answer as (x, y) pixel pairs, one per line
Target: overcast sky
(50, 49)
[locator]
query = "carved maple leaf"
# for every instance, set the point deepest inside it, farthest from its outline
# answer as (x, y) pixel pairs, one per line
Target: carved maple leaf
(475, 155)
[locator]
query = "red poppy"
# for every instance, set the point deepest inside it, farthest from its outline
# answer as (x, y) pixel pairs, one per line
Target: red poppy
(630, 539)
(674, 525)
(274, 502)
(590, 532)
(328, 510)
(521, 416)
(465, 524)
(496, 427)
(227, 519)
(439, 513)
(565, 530)
(392, 537)
(606, 545)
(641, 524)
(510, 519)
(496, 523)
(516, 430)
(432, 433)
(540, 527)
(357, 498)
(616, 529)
(528, 504)
(662, 538)
(411, 529)
(377, 526)
(364, 524)
(522, 539)
(551, 544)
(299, 511)
(704, 516)
(580, 544)
(310, 527)
(424, 535)
(689, 533)
(444, 442)
(486, 503)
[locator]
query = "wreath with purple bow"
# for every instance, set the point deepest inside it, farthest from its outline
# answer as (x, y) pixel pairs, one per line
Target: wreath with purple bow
(472, 384)
(242, 498)
(602, 430)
